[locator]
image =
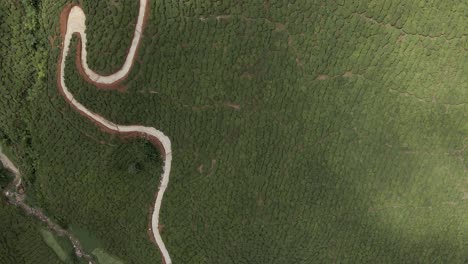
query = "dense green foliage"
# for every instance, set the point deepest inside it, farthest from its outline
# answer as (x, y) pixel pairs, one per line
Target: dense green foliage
(23, 64)
(111, 36)
(20, 240)
(5, 177)
(303, 132)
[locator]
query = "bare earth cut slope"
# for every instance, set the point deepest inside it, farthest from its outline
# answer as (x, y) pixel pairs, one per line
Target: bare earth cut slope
(74, 19)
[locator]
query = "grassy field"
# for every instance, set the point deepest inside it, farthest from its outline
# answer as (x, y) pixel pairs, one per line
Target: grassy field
(60, 245)
(308, 132)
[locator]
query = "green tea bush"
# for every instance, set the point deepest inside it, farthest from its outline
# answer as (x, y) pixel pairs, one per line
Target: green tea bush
(303, 131)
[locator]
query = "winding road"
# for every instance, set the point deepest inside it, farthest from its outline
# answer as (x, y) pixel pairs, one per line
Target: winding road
(73, 21)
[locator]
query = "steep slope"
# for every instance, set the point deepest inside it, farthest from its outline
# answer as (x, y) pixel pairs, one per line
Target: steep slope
(303, 132)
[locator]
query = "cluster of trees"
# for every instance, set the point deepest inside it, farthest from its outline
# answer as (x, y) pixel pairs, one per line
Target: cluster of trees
(23, 68)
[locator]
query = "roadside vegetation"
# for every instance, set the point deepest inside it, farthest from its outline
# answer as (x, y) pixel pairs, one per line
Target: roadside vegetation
(20, 240)
(5, 177)
(312, 132)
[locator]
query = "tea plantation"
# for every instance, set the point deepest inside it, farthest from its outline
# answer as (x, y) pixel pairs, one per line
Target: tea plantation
(303, 131)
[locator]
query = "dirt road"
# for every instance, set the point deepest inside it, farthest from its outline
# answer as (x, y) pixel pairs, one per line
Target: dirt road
(73, 21)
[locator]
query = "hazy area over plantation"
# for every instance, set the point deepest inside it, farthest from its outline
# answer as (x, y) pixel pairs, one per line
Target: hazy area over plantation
(302, 132)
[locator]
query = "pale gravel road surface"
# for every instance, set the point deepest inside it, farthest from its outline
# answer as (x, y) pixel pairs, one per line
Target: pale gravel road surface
(76, 24)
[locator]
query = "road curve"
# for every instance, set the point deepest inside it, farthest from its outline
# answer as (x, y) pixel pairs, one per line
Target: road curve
(74, 19)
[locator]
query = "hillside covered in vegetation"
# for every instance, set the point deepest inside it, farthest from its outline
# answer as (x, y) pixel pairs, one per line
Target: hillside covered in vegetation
(302, 132)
